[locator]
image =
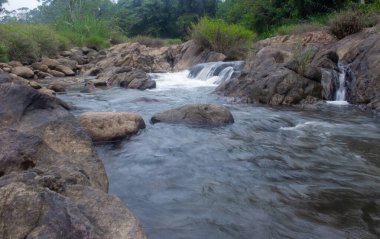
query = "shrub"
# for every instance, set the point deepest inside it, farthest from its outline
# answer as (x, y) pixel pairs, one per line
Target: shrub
(3, 53)
(349, 22)
(229, 39)
(302, 57)
(27, 42)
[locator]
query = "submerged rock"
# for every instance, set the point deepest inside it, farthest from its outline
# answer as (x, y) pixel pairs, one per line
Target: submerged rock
(107, 126)
(52, 183)
(196, 114)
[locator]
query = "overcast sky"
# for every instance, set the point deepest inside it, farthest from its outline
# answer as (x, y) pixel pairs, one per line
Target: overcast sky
(16, 4)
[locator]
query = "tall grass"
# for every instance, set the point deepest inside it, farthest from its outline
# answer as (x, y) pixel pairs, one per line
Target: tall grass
(217, 35)
(28, 42)
(87, 31)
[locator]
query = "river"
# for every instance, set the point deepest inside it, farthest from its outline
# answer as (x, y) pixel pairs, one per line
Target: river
(275, 173)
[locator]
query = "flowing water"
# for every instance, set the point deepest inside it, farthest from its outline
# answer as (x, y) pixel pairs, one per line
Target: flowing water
(275, 173)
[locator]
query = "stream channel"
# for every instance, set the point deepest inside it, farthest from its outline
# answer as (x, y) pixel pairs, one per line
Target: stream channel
(275, 173)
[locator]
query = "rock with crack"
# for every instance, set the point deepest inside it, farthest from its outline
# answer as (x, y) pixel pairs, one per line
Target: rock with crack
(108, 126)
(52, 183)
(196, 114)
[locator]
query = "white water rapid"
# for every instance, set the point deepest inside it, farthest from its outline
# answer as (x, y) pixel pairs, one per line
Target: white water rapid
(341, 90)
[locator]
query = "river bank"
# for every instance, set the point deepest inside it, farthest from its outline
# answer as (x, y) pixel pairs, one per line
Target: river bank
(265, 174)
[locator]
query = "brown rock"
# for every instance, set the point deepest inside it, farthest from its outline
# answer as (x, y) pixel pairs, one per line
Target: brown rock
(65, 70)
(23, 71)
(56, 73)
(51, 63)
(52, 183)
(58, 87)
(40, 67)
(106, 126)
(35, 85)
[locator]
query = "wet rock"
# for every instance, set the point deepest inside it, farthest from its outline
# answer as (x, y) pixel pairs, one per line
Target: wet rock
(88, 88)
(107, 126)
(52, 183)
(59, 87)
(196, 114)
(23, 71)
(98, 82)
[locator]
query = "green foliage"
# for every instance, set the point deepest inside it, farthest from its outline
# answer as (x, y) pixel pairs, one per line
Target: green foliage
(348, 22)
(215, 34)
(302, 57)
(27, 42)
(3, 53)
(86, 31)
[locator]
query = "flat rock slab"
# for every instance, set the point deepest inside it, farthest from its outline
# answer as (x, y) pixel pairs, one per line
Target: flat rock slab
(107, 126)
(196, 114)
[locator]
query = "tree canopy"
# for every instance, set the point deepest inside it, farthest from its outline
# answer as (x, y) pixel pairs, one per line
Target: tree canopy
(172, 18)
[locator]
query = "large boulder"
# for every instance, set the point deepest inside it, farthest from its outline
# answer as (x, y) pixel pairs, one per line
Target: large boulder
(133, 79)
(361, 52)
(196, 114)
(23, 71)
(52, 183)
(40, 67)
(107, 126)
(270, 76)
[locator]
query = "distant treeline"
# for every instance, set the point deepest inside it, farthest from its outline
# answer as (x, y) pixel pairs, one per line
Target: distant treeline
(172, 18)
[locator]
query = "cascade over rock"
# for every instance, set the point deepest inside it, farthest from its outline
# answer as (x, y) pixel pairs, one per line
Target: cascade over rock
(272, 74)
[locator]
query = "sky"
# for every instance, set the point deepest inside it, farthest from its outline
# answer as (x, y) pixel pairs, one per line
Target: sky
(16, 4)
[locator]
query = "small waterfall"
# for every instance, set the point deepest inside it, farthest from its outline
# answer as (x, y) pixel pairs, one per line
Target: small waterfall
(341, 91)
(340, 85)
(217, 72)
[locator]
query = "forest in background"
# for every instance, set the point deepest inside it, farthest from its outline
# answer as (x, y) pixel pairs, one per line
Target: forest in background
(64, 23)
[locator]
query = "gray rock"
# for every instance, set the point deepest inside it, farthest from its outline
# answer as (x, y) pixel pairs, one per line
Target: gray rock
(196, 114)
(52, 183)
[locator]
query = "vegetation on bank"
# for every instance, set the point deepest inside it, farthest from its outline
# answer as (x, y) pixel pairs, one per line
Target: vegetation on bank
(227, 26)
(217, 35)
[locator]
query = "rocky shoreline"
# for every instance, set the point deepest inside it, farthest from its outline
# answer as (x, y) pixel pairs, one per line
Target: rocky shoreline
(53, 184)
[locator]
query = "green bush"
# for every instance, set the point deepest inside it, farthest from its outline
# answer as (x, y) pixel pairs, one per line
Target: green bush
(87, 31)
(27, 42)
(3, 54)
(349, 22)
(229, 39)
